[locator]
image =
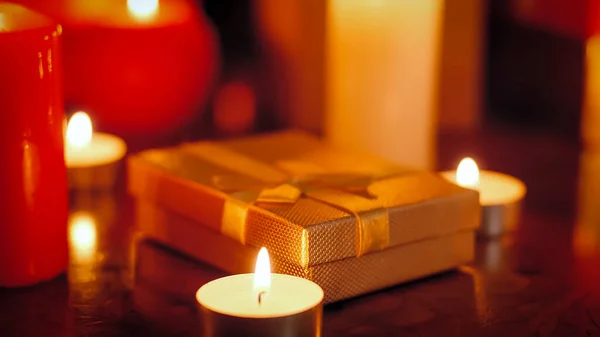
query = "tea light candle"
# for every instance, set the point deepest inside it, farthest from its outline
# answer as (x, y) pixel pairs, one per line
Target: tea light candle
(500, 195)
(261, 304)
(91, 157)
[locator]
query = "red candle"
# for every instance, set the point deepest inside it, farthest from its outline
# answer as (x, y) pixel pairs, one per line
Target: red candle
(139, 67)
(33, 186)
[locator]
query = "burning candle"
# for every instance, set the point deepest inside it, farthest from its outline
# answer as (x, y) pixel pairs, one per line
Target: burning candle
(145, 67)
(261, 304)
(86, 148)
(500, 195)
(91, 157)
(33, 186)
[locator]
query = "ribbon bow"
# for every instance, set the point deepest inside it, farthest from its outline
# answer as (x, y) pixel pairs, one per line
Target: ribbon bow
(254, 182)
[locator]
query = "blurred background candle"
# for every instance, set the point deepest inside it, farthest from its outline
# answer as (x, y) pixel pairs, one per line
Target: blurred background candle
(33, 186)
(145, 67)
(91, 157)
(293, 36)
(381, 77)
(86, 148)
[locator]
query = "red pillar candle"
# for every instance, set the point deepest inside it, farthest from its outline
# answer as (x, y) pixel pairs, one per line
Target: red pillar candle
(139, 67)
(33, 187)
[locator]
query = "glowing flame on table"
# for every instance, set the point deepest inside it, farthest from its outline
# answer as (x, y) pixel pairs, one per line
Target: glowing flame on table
(143, 9)
(79, 130)
(262, 273)
(467, 173)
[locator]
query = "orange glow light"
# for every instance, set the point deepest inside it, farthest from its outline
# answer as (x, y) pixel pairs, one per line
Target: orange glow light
(234, 108)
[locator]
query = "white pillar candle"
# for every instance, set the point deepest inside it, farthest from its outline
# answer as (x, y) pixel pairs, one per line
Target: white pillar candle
(382, 77)
(91, 157)
(500, 195)
(260, 304)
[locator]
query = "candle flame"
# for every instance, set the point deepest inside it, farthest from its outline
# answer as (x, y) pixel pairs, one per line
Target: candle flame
(79, 130)
(467, 173)
(262, 272)
(143, 9)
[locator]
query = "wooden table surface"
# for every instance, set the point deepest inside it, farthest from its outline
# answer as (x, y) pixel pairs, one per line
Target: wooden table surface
(542, 280)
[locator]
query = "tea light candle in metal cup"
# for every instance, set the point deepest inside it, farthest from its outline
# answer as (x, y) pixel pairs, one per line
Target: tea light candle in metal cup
(500, 196)
(261, 304)
(92, 158)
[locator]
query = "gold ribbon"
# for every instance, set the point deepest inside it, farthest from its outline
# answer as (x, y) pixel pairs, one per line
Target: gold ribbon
(254, 182)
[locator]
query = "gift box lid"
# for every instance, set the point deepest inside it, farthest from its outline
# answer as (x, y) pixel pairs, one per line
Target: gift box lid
(304, 200)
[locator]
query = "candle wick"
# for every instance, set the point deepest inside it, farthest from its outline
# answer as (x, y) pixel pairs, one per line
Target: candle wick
(260, 295)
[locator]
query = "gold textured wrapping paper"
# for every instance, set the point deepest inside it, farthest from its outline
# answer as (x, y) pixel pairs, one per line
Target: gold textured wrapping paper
(339, 279)
(309, 204)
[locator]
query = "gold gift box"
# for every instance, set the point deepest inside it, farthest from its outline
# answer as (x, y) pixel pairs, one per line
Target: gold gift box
(350, 222)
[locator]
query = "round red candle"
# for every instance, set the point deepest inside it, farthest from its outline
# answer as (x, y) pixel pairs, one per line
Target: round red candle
(33, 186)
(140, 67)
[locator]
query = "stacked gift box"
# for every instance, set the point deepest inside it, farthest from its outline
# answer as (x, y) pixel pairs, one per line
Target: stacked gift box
(350, 222)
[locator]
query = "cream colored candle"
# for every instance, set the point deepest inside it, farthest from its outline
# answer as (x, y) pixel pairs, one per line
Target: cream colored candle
(500, 195)
(382, 77)
(260, 304)
(91, 157)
